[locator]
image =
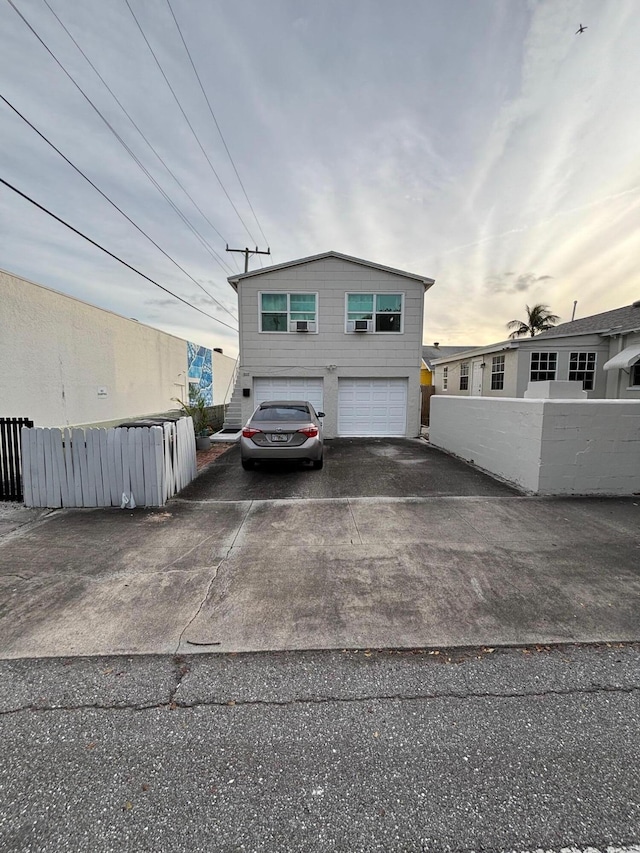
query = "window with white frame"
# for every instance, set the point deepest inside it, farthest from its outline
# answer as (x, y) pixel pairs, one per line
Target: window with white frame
(382, 310)
(497, 373)
(634, 374)
(464, 376)
(282, 312)
(582, 368)
(445, 378)
(543, 366)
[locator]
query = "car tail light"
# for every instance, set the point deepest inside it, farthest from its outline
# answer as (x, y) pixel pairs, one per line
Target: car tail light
(249, 432)
(310, 431)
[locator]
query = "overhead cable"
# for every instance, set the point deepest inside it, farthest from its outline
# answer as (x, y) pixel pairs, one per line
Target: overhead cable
(213, 116)
(113, 204)
(141, 165)
(128, 115)
(186, 118)
(111, 254)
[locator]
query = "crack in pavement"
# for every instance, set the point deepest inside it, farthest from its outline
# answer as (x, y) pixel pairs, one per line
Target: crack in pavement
(210, 584)
(355, 523)
(174, 703)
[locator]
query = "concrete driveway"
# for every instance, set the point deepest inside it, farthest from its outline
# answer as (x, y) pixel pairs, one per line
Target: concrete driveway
(374, 467)
(479, 565)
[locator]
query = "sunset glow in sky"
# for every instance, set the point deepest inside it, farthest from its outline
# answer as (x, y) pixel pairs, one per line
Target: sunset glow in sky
(483, 144)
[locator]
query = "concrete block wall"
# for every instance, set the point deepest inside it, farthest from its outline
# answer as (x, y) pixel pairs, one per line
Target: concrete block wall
(547, 447)
(501, 435)
(590, 447)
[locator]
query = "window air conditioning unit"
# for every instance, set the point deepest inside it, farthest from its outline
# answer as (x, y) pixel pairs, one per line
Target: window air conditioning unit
(362, 325)
(303, 326)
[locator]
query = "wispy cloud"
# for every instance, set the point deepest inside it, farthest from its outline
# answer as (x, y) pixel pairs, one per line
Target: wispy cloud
(510, 282)
(456, 140)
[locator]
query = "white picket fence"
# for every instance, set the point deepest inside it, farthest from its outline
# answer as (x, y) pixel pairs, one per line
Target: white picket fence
(137, 466)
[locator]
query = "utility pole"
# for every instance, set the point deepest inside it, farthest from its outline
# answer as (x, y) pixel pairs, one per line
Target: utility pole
(246, 253)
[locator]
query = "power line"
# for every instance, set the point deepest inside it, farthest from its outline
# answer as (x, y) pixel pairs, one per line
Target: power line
(226, 147)
(111, 255)
(224, 266)
(128, 115)
(113, 204)
(186, 118)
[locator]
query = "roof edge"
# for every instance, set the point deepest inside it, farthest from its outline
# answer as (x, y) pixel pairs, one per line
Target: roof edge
(460, 356)
(235, 279)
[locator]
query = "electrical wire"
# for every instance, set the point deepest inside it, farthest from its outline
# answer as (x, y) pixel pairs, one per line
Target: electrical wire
(128, 115)
(111, 254)
(213, 116)
(186, 118)
(219, 260)
(113, 204)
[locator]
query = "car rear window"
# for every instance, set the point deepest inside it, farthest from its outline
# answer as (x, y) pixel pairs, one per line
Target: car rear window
(281, 413)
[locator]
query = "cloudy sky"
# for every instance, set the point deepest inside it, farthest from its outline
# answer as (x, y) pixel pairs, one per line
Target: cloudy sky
(479, 142)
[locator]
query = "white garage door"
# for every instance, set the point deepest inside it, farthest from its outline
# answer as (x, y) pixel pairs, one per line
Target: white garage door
(288, 388)
(372, 406)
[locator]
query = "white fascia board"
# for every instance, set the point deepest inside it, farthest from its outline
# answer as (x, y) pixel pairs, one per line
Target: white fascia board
(464, 356)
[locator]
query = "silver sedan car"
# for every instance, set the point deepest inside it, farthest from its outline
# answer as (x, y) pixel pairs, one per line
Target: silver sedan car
(283, 430)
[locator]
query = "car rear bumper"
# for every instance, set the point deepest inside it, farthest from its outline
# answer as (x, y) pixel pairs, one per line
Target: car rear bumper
(311, 449)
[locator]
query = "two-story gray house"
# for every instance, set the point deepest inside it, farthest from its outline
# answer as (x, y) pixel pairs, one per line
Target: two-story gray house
(341, 332)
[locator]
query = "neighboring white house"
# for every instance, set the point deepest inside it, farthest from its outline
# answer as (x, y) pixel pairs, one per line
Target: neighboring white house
(601, 351)
(67, 363)
(339, 331)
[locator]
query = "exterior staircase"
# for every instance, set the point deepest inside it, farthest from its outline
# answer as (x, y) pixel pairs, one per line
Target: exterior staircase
(233, 415)
(232, 425)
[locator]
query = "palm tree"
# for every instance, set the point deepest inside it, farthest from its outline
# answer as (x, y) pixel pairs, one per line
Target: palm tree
(539, 319)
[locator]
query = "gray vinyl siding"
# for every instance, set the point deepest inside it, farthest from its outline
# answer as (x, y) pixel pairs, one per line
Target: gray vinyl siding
(309, 354)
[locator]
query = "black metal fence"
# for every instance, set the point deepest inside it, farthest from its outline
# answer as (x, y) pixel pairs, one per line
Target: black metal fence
(10, 469)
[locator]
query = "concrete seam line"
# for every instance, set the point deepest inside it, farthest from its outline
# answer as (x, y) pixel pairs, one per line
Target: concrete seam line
(43, 578)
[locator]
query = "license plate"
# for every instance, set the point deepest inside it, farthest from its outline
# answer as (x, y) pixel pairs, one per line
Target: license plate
(279, 437)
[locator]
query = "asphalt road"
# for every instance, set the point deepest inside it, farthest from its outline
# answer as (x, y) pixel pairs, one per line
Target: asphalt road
(357, 751)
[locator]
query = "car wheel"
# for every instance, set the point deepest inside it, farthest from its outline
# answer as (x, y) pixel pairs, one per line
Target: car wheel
(247, 464)
(318, 464)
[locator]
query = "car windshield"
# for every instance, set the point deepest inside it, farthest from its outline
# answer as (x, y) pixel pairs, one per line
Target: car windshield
(282, 413)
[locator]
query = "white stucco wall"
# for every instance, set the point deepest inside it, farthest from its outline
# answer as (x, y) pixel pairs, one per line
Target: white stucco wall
(500, 435)
(371, 355)
(59, 355)
(550, 447)
(590, 447)
(223, 372)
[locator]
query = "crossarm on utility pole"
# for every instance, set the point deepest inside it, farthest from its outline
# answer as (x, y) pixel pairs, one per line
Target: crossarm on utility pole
(247, 252)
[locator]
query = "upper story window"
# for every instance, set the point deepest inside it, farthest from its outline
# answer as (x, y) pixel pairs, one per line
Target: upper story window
(582, 368)
(543, 366)
(635, 374)
(288, 312)
(497, 373)
(381, 311)
(445, 378)
(464, 376)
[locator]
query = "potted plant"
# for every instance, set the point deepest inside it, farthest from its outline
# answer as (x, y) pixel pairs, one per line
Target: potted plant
(196, 409)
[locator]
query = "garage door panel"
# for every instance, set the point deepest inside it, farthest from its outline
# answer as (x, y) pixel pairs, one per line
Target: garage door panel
(375, 407)
(288, 388)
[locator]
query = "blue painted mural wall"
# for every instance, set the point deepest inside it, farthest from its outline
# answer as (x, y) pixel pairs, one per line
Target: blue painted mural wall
(200, 361)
